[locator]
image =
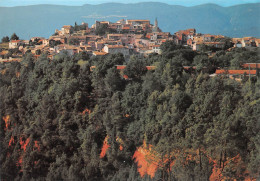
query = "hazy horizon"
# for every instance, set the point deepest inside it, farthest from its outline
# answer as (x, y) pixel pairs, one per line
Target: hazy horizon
(188, 3)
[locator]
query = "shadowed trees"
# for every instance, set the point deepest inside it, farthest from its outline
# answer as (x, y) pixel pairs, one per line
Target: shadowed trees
(80, 118)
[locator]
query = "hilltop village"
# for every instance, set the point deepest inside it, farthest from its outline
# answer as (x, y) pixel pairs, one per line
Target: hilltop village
(129, 37)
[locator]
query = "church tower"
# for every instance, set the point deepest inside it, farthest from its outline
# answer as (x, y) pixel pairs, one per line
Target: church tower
(155, 27)
(156, 23)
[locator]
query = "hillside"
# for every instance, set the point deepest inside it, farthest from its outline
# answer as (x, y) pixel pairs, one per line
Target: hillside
(42, 20)
(63, 120)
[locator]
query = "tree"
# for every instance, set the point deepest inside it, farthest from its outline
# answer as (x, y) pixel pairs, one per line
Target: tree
(102, 29)
(14, 37)
(38, 52)
(53, 43)
(135, 68)
(113, 80)
(227, 42)
(201, 61)
(169, 46)
(151, 83)
(5, 39)
(76, 27)
(56, 116)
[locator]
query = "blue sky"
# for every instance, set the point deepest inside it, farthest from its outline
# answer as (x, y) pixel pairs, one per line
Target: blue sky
(10, 3)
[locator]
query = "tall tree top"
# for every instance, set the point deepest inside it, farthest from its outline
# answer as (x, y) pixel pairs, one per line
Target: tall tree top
(14, 37)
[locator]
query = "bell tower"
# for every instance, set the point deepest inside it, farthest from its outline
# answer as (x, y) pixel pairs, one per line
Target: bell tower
(156, 23)
(155, 27)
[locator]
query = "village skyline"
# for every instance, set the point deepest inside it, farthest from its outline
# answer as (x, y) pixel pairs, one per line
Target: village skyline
(234, 21)
(125, 36)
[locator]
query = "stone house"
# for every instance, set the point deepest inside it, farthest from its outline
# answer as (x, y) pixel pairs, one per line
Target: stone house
(117, 49)
(14, 44)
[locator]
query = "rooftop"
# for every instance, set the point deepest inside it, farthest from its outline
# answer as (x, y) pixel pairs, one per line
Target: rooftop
(236, 72)
(138, 20)
(99, 53)
(251, 65)
(67, 26)
(115, 46)
(15, 41)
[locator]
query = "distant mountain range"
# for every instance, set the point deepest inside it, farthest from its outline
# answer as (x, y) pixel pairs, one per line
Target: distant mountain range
(42, 20)
(187, 3)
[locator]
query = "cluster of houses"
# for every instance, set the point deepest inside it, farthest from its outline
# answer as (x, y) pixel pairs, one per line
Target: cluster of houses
(129, 37)
(246, 42)
(195, 40)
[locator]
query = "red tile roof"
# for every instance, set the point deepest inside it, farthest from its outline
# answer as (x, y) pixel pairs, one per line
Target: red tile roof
(99, 53)
(248, 38)
(115, 46)
(234, 72)
(151, 67)
(115, 35)
(3, 52)
(11, 60)
(92, 68)
(208, 35)
(67, 26)
(120, 67)
(138, 20)
(15, 41)
(189, 67)
(251, 65)
(125, 76)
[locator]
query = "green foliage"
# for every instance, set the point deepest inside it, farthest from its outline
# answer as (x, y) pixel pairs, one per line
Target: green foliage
(79, 27)
(53, 43)
(14, 37)
(235, 58)
(201, 61)
(168, 47)
(135, 69)
(113, 80)
(5, 39)
(103, 29)
(63, 111)
(207, 48)
(227, 42)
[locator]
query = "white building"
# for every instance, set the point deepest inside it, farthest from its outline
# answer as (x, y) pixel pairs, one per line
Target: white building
(14, 44)
(156, 49)
(116, 49)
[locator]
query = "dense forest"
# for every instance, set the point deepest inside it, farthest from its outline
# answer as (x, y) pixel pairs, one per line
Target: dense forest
(61, 120)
